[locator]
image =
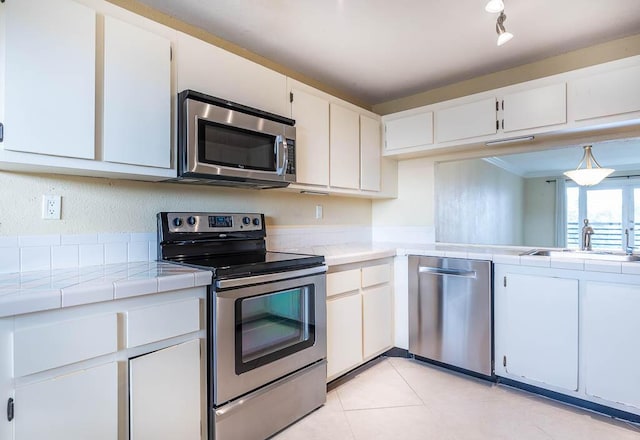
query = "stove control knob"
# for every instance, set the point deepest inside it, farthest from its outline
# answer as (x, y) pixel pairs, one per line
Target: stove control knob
(246, 220)
(191, 220)
(177, 222)
(256, 221)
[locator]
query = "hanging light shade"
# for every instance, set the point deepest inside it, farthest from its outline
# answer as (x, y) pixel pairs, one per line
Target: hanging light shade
(588, 176)
(503, 35)
(494, 6)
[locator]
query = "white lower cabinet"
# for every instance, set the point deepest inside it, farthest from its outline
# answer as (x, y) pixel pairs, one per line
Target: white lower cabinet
(129, 368)
(541, 343)
(78, 406)
(573, 332)
(344, 334)
(610, 333)
(165, 394)
(377, 324)
(359, 314)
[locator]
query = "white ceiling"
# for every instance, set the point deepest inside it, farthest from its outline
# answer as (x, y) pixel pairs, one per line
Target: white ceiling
(379, 50)
(621, 155)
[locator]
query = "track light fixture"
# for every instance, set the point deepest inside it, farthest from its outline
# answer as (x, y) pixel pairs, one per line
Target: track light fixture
(495, 7)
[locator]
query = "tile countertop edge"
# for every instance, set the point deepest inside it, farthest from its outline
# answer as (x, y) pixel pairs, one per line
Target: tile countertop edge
(106, 285)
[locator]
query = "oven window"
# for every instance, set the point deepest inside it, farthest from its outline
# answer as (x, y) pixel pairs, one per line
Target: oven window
(272, 326)
(234, 147)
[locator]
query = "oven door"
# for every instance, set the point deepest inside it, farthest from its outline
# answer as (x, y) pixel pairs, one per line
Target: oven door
(264, 328)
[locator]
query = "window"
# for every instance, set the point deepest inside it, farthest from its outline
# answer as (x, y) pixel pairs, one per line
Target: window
(613, 210)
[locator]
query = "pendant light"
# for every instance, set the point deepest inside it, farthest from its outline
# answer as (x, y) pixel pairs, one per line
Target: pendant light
(503, 35)
(494, 6)
(588, 176)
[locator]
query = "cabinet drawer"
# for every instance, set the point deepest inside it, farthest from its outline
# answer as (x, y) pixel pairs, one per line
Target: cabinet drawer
(341, 282)
(64, 343)
(151, 324)
(378, 274)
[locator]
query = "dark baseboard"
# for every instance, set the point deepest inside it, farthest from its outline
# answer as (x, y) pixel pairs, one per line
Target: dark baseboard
(585, 404)
(397, 352)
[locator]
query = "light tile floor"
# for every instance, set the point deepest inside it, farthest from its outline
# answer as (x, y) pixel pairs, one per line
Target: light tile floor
(405, 399)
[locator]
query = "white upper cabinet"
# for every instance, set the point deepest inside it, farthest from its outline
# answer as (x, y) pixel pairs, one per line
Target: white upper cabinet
(539, 107)
(466, 120)
(408, 131)
(370, 153)
(137, 96)
(344, 142)
(49, 87)
(209, 69)
(311, 114)
(604, 94)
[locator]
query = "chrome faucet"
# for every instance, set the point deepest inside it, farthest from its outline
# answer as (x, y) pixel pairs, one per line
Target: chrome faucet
(628, 249)
(587, 232)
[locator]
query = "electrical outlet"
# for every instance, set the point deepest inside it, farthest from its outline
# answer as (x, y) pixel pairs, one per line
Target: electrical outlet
(318, 212)
(51, 205)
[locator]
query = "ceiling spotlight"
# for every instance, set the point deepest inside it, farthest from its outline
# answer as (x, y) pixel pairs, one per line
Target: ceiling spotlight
(503, 35)
(589, 175)
(494, 6)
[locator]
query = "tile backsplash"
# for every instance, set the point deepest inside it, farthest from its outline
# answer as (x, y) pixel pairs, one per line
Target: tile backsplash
(23, 253)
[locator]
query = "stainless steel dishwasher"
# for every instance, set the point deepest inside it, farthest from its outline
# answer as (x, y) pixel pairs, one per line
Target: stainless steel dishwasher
(451, 312)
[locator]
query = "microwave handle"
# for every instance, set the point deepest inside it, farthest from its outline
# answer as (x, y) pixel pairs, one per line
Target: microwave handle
(282, 155)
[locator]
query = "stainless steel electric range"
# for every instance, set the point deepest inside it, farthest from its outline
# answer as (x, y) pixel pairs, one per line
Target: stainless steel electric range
(266, 322)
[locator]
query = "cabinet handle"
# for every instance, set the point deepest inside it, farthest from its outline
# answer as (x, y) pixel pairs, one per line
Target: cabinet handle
(497, 125)
(10, 409)
(1, 125)
(503, 124)
(503, 104)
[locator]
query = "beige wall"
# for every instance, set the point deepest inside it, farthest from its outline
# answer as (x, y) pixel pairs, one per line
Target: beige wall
(539, 212)
(105, 205)
(414, 205)
(478, 203)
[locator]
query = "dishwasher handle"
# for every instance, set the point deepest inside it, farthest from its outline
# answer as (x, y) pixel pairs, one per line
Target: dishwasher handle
(447, 272)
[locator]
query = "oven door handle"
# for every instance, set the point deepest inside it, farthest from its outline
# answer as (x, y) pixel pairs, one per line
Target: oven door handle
(267, 278)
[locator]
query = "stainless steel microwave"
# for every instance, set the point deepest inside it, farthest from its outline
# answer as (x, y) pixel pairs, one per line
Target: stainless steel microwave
(225, 143)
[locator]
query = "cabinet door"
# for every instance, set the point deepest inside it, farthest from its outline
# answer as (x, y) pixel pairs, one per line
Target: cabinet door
(369, 153)
(165, 394)
(344, 334)
(344, 141)
(610, 328)
(409, 131)
(606, 94)
(466, 121)
(49, 84)
(377, 311)
(78, 406)
(542, 329)
(209, 69)
(137, 96)
(312, 138)
(535, 108)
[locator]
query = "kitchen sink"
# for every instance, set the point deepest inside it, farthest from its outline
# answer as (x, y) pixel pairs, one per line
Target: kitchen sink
(590, 255)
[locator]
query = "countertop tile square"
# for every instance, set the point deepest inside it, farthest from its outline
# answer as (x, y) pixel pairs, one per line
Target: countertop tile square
(603, 266)
(175, 282)
(567, 263)
(535, 260)
(28, 301)
(87, 293)
(128, 288)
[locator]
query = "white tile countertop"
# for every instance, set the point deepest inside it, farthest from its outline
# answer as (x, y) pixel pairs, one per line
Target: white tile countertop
(352, 253)
(27, 292)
